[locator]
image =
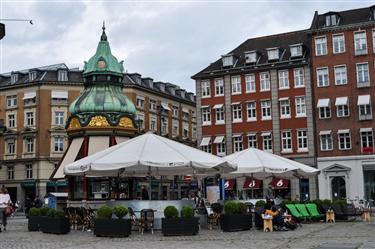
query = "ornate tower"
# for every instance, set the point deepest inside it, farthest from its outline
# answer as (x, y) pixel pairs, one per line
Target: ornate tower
(101, 116)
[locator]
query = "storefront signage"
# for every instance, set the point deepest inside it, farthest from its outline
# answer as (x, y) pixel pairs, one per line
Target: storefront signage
(229, 184)
(252, 183)
(278, 183)
(28, 184)
(57, 184)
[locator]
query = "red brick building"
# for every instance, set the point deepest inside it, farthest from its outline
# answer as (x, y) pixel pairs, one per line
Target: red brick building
(259, 95)
(343, 74)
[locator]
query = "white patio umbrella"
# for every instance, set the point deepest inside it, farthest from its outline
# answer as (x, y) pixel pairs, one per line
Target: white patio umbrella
(263, 164)
(149, 154)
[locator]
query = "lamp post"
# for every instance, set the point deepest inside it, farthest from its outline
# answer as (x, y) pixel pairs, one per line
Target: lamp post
(139, 123)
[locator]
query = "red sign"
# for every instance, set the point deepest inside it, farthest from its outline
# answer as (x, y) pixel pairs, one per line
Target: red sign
(252, 183)
(367, 149)
(278, 183)
(229, 184)
(187, 178)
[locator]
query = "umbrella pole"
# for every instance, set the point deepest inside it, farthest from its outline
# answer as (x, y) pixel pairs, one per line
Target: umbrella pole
(252, 189)
(150, 190)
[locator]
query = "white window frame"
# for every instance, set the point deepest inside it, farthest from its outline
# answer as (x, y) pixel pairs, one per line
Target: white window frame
(265, 81)
(236, 85)
(219, 87)
(252, 140)
(205, 88)
(339, 79)
(295, 50)
(363, 75)
(359, 42)
(237, 113)
(58, 142)
(29, 119)
(285, 110)
(250, 83)
(273, 54)
(59, 119)
(11, 101)
(10, 172)
(327, 112)
(12, 121)
(11, 146)
(327, 143)
(322, 76)
(227, 60)
(251, 111)
(340, 111)
(29, 144)
(266, 109)
(302, 140)
(300, 104)
(368, 142)
(347, 137)
(299, 79)
(283, 79)
(140, 102)
(286, 142)
(365, 112)
(62, 75)
(219, 116)
(237, 143)
(321, 46)
(29, 171)
(267, 143)
(152, 105)
(221, 148)
(337, 42)
(206, 116)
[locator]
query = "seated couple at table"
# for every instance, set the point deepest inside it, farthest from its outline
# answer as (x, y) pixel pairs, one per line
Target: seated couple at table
(277, 217)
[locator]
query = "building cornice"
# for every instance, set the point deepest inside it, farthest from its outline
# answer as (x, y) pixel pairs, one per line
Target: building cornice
(341, 28)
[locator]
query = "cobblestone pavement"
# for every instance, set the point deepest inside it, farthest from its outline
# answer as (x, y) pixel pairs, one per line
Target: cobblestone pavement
(340, 235)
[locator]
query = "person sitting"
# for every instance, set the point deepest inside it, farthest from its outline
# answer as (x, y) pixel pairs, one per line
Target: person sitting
(277, 217)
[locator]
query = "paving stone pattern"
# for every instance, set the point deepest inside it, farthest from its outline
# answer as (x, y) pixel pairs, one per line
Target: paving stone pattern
(341, 235)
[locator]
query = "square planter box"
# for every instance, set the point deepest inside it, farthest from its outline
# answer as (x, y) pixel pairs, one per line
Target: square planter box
(236, 222)
(180, 226)
(33, 223)
(112, 227)
(54, 225)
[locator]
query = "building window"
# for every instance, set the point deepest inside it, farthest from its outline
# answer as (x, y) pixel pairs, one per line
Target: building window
(185, 132)
(299, 78)
(227, 60)
(11, 120)
(11, 146)
(286, 141)
(220, 148)
(237, 143)
(29, 144)
(219, 115)
(10, 170)
(265, 81)
(140, 121)
(367, 143)
(219, 87)
(206, 88)
(283, 79)
(32, 76)
(324, 112)
(62, 75)
(152, 105)
(326, 142)
(29, 119)
(29, 171)
(284, 108)
(344, 140)
(267, 141)
(58, 144)
(175, 111)
(273, 54)
(266, 109)
(360, 43)
(207, 148)
(322, 77)
(252, 141)
(12, 101)
(296, 51)
(331, 20)
(237, 112)
(302, 140)
(236, 85)
(363, 78)
(175, 129)
(340, 75)
(59, 118)
(342, 107)
(140, 102)
(338, 44)
(153, 124)
(250, 83)
(206, 116)
(251, 111)
(13, 78)
(164, 126)
(365, 112)
(300, 106)
(320, 46)
(251, 57)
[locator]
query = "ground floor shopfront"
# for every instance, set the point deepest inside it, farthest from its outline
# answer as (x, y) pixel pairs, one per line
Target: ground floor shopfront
(351, 177)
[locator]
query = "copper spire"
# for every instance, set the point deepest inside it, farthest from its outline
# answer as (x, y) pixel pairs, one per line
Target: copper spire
(104, 36)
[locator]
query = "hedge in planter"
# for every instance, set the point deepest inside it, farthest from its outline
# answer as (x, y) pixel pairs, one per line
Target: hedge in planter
(34, 219)
(235, 217)
(172, 225)
(105, 226)
(55, 222)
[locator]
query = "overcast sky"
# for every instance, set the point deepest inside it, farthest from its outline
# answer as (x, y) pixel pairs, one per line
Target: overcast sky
(167, 40)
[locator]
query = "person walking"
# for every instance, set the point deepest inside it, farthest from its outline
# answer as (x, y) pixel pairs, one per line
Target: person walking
(5, 202)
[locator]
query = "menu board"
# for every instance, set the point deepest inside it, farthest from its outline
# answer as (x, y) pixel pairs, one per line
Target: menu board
(213, 193)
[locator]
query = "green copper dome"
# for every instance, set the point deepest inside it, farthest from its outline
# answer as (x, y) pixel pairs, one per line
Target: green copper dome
(103, 94)
(103, 62)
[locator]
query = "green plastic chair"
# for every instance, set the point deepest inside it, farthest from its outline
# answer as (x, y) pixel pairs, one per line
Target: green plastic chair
(294, 212)
(302, 209)
(313, 210)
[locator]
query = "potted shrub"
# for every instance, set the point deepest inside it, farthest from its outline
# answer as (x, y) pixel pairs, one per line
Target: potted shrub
(326, 204)
(55, 222)
(42, 215)
(33, 220)
(235, 217)
(187, 224)
(105, 226)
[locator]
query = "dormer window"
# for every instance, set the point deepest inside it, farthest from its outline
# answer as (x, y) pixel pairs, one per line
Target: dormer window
(273, 54)
(13, 78)
(62, 75)
(251, 57)
(227, 60)
(331, 20)
(296, 50)
(32, 76)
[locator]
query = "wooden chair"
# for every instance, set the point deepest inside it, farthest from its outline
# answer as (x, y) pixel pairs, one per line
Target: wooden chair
(147, 220)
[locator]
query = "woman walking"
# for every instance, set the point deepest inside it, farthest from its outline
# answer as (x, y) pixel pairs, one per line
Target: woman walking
(5, 202)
